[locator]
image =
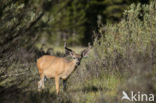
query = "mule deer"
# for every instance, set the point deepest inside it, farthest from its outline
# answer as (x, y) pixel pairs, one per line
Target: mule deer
(58, 67)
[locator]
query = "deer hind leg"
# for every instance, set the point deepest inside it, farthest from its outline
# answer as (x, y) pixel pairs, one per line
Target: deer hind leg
(57, 84)
(41, 82)
(65, 85)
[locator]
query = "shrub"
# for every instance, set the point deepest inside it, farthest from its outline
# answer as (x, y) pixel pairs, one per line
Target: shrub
(130, 48)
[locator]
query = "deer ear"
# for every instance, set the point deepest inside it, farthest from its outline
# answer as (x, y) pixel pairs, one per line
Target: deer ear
(85, 51)
(71, 54)
(67, 50)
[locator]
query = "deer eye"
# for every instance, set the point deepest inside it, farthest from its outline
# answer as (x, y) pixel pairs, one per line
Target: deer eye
(74, 57)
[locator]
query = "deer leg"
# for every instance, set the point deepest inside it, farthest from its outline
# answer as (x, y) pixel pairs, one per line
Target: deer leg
(39, 86)
(41, 82)
(57, 84)
(64, 85)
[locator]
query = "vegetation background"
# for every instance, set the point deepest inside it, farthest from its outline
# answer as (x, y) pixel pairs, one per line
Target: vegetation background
(123, 57)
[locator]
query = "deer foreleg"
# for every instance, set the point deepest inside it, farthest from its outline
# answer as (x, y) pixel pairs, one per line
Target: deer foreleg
(57, 84)
(41, 82)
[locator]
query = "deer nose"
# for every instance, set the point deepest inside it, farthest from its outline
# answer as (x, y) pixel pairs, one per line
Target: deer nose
(78, 63)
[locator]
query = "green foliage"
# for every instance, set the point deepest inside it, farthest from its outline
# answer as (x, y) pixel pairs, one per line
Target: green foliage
(129, 47)
(130, 33)
(75, 20)
(20, 21)
(69, 20)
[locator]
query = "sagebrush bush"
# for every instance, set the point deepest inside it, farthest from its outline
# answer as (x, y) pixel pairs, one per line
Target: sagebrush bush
(134, 35)
(130, 48)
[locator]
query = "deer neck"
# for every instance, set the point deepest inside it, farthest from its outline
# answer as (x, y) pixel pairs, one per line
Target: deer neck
(73, 64)
(71, 67)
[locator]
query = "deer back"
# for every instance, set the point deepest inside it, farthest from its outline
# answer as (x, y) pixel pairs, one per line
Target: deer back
(52, 66)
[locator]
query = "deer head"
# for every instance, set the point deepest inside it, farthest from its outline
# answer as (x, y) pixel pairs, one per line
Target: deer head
(77, 57)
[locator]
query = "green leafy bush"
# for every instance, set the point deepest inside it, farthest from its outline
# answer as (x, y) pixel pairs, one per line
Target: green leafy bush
(130, 48)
